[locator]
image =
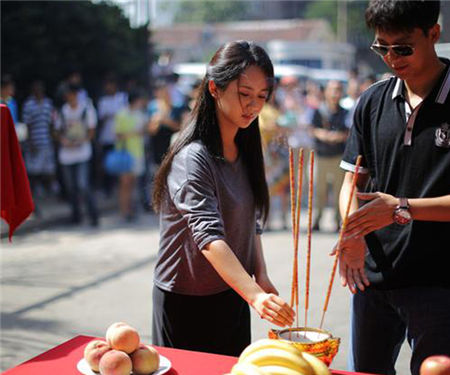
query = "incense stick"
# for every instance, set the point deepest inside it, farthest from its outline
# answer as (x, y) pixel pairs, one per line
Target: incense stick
(297, 223)
(308, 257)
(338, 246)
(292, 193)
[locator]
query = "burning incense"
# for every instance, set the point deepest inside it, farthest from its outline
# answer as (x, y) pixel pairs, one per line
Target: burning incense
(338, 246)
(297, 223)
(292, 191)
(308, 257)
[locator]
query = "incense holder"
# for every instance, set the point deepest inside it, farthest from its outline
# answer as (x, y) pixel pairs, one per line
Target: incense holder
(315, 341)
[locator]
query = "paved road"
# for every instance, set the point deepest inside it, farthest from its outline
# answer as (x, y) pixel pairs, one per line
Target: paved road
(66, 281)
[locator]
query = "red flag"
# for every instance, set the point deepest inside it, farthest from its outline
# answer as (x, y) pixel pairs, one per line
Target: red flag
(16, 201)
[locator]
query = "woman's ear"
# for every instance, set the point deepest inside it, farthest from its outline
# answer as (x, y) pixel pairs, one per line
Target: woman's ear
(212, 88)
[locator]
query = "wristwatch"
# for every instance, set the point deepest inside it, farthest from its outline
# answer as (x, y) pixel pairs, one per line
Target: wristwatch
(401, 214)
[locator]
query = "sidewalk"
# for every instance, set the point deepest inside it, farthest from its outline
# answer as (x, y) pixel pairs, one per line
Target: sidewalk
(54, 210)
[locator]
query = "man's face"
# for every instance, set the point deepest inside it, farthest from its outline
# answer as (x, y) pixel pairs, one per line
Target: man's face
(409, 67)
(333, 92)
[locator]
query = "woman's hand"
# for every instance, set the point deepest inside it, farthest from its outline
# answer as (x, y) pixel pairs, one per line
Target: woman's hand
(272, 308)
(372, 216)
(264, 282)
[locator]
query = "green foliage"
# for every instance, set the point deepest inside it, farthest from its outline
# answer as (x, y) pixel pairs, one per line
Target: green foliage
(209, 11)
(326, 9)
(44, 39)
(357, 32)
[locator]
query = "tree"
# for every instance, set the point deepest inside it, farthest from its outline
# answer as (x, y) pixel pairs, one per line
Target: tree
(209, 11)
(43, 39)
(357, 32)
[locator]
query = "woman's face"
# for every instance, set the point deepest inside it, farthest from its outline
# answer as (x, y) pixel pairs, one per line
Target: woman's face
(242, 100)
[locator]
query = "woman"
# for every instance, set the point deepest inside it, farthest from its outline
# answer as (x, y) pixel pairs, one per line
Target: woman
(209, 189)
(130, 126)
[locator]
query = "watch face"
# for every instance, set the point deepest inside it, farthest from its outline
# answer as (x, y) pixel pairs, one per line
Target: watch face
(402, 216)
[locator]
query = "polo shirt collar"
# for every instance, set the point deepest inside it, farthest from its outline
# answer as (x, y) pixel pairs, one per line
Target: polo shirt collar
(444, 89)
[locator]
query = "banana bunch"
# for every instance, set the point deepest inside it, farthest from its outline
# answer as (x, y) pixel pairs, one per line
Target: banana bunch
(277, 357)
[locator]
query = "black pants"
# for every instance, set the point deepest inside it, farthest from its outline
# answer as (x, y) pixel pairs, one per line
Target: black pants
(219, 323)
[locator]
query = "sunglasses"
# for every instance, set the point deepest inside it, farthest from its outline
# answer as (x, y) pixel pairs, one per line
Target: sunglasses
(398, 49)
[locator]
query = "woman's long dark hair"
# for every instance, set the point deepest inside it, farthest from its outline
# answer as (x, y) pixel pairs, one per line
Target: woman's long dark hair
(227, 64)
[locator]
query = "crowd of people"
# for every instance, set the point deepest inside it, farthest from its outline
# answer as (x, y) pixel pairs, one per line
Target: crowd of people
(312, 116)
(66, 138)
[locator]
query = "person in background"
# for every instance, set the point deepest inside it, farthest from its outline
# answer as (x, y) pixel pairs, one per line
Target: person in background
(367, 81)
(329, 130)
(109, 105)
(164, 121)
(209, 192)
(395, 251)
(74, 79)
(38, 115)
(349, 102)
(276, 159)
(7, 92)
(75, 127)
(130, 127)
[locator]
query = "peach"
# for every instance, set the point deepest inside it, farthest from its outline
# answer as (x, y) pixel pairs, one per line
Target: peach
(145, 360)
(115, 362)
(94, 351)
(121, 336)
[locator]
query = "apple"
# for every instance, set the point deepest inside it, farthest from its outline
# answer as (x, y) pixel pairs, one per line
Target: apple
(435, 365)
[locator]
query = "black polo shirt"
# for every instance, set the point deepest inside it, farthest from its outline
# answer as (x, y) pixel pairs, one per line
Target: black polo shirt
(405, 159)
(324, 118)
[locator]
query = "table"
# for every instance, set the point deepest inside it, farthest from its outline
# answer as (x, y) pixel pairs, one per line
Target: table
(63, 359)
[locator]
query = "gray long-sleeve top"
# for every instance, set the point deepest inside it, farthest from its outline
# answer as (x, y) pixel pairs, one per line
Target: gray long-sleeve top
(207, 200)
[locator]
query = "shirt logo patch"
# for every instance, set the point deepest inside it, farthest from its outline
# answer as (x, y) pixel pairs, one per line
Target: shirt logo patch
(442, 136)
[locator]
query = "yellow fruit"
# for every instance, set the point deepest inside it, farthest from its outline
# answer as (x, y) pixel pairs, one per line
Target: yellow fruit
(266, 344)
(279, 357)
(280, 370)
(247, 369)
(318, 366)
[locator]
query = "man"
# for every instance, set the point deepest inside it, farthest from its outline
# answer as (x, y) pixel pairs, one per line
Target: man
(396, 250)
(330, 133)
(38, 114)
(76, 129)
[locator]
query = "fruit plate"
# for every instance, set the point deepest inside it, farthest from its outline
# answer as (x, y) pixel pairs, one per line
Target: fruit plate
(164, 366)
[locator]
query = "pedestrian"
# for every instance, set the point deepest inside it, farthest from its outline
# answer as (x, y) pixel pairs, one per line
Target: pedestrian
(210, 192)
(38, 115)
(395, 252)
(109, 104)
(130, 127)
(165, 118)
(7, 92)
(76, 128)
(330, 132)
(276, 159)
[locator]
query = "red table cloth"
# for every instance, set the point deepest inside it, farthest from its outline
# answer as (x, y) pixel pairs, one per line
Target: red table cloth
(63, 359)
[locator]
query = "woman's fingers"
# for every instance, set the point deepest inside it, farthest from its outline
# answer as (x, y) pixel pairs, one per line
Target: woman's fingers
(277, 311)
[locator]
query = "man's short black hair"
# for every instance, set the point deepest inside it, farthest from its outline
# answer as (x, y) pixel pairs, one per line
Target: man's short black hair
(402, 15)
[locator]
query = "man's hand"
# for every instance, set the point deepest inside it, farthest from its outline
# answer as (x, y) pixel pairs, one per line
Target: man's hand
(351, 263)
(374, 215)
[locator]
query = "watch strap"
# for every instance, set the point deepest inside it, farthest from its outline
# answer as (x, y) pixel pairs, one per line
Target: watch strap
(403, 203)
